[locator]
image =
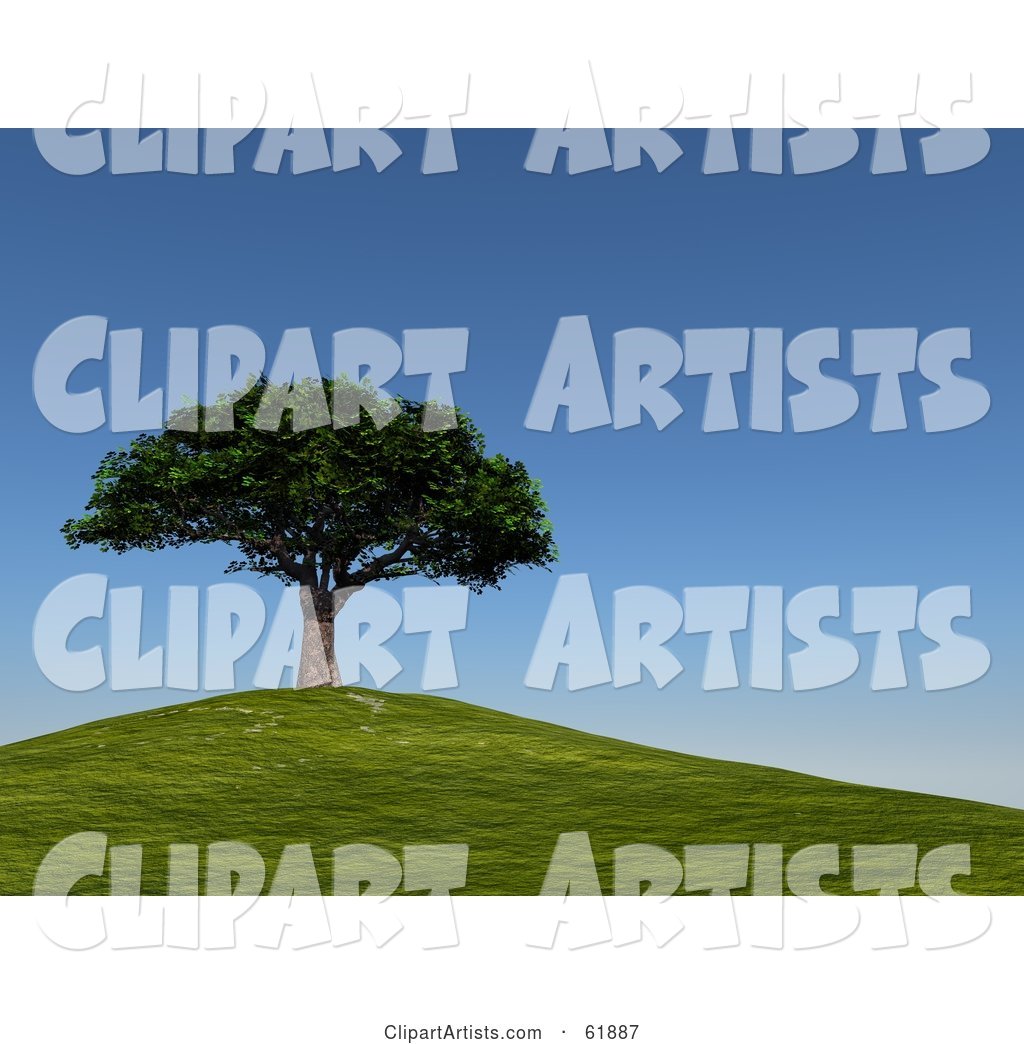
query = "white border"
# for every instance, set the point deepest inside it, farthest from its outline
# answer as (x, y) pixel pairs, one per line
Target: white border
(915, 969)
(532, 64)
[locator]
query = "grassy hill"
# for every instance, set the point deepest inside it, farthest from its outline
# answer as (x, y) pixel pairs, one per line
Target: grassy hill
(337, 766)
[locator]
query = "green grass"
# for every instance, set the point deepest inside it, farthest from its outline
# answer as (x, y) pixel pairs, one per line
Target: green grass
(331, 767)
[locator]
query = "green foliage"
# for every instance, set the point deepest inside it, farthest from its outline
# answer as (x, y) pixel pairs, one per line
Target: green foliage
(323, 484)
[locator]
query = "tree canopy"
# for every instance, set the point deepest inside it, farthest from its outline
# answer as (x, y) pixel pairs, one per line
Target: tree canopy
(385, 489)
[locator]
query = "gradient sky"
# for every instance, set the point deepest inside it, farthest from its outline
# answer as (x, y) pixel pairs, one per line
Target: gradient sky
(506, 253)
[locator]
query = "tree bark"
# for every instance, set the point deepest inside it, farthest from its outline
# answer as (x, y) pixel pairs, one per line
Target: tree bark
(318, 664)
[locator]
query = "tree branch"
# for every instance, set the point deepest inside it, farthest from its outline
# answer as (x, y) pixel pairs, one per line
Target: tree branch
(288, 564)
(373, 569)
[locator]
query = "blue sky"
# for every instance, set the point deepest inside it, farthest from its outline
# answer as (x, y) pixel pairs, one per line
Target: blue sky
(506, 253)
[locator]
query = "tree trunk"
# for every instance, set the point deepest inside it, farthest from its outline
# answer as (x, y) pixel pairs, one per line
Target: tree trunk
(318, 664)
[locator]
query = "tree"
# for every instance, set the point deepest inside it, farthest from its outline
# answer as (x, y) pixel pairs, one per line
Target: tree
(330, 498)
